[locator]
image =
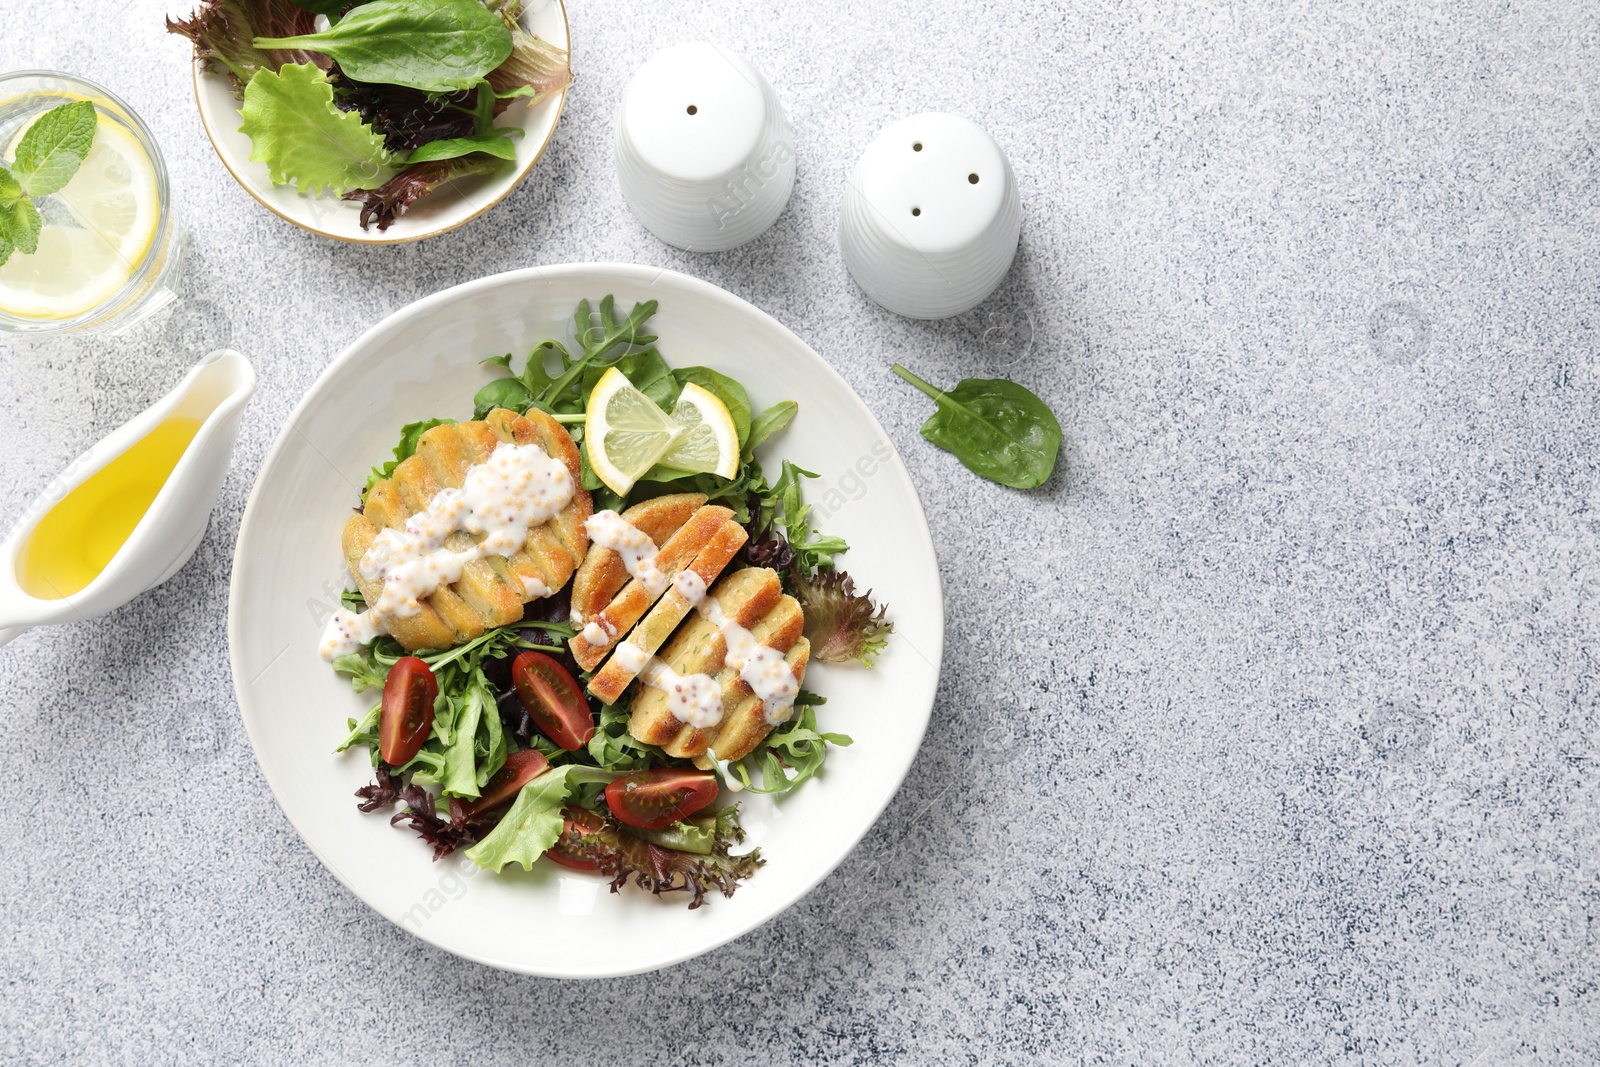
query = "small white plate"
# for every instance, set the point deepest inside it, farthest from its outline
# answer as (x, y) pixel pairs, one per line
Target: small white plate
(442, 210)
(422, 361)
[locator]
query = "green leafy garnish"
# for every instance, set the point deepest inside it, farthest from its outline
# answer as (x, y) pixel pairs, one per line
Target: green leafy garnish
(810, 551)
(295, 129)
(410, 434)
(790, 755)
(601, 345)
(534, 822)
(769, 422)
(54, 147)
(842, 625)
(494, 144)
(48, 155)
(996, 428)
(432, 45)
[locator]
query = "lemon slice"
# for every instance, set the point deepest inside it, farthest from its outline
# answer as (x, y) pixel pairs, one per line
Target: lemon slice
(97, 230)
(710, 441)
(624, 432)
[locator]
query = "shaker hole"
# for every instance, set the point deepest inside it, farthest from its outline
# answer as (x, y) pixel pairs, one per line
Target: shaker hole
(973, 178)
(916, 211)
(917, 147)
(693, 110)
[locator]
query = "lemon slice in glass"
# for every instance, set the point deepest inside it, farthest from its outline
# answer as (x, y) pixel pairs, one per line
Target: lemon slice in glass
(97, 230)
(624, 432)
(710, 441)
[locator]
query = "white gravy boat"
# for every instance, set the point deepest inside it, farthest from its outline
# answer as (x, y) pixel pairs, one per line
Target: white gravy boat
(214, 392)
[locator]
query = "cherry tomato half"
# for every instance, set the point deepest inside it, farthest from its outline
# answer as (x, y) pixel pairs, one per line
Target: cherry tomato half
(651, 800)
(519, 769)
(553, 699)
(579, 821)
(408, 697)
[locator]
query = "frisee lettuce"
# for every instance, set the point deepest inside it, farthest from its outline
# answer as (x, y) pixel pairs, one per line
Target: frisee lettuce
(304, 140)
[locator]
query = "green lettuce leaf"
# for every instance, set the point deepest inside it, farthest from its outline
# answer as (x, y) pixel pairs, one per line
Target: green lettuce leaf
(295, 129)
(534, 821)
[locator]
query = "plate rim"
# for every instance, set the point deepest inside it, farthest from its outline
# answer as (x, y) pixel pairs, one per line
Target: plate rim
(534, 274)
(198, 71)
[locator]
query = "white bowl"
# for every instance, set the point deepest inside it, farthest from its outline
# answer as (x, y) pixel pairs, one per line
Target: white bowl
(931, 217)
(423, 361)
(440, 211)
(705, 156)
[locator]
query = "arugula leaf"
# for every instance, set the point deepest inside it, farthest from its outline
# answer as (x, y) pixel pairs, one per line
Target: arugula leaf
(725, 389)
(54, 147)
(769, 422)
(363, 672)
(788, 756)
(810, 552)
(494, 144)
(534, 821)
(410, 434)
(295, 129)
(996, 428)
(615, 749)
(432, 45)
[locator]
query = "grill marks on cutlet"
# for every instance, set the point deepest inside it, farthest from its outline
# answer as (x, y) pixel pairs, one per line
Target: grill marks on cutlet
(491, 591)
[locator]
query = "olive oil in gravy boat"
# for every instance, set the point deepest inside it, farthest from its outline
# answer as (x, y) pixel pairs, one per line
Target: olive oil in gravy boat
(214, 394)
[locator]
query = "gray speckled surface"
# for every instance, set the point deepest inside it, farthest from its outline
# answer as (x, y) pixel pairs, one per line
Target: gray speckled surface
(1274, 741)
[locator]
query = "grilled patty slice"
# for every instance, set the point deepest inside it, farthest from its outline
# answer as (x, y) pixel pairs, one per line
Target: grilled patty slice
(491, 591)
(631, 602)
(657, 625)
(754, 598)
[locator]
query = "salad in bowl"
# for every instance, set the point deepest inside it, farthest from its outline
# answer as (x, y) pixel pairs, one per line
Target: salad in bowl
(343, 117)
(585, 613)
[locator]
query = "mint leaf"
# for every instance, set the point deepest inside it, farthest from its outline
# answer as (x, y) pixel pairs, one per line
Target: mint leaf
(19, 225)
(54, 147)
(10, 188)
(303, 139)
(5, 251)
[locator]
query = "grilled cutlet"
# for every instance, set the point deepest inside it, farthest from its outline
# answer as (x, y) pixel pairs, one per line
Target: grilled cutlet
(648, 635)
(754, 599)
(491, 590)
(602, 574)
(630, 603)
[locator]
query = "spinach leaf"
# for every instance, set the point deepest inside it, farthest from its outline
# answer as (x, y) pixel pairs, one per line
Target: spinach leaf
(501, 393)
(768, 423)
(647, 371)
(494, 144)
(994, 427)
(725, 389)
(433, 45)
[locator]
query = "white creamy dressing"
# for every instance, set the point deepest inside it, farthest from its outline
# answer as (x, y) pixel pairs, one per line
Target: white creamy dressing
(517, 488)
(690, 586)
(695, 699)
(597, 633)
(610, 530)
(763, 669)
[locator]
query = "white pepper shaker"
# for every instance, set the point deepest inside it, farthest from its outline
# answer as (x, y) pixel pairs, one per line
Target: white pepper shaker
(705, 155)
(931, 217)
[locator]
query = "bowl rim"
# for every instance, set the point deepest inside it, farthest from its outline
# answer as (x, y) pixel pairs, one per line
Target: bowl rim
(197, 68)
(445, 296)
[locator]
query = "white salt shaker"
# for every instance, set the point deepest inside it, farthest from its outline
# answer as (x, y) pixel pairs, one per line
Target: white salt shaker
(931, 217)
(705, 156)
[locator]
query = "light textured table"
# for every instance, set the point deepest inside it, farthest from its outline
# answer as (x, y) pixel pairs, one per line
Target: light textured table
(1268, 727)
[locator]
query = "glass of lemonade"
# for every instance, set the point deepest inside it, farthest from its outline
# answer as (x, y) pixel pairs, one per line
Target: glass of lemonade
(110, 249)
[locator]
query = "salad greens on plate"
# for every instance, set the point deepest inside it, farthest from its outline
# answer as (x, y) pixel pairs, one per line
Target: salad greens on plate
(388, 102)
(491, 770)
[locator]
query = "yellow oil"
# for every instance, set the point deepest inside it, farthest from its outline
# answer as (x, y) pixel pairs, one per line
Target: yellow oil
(77, 538)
